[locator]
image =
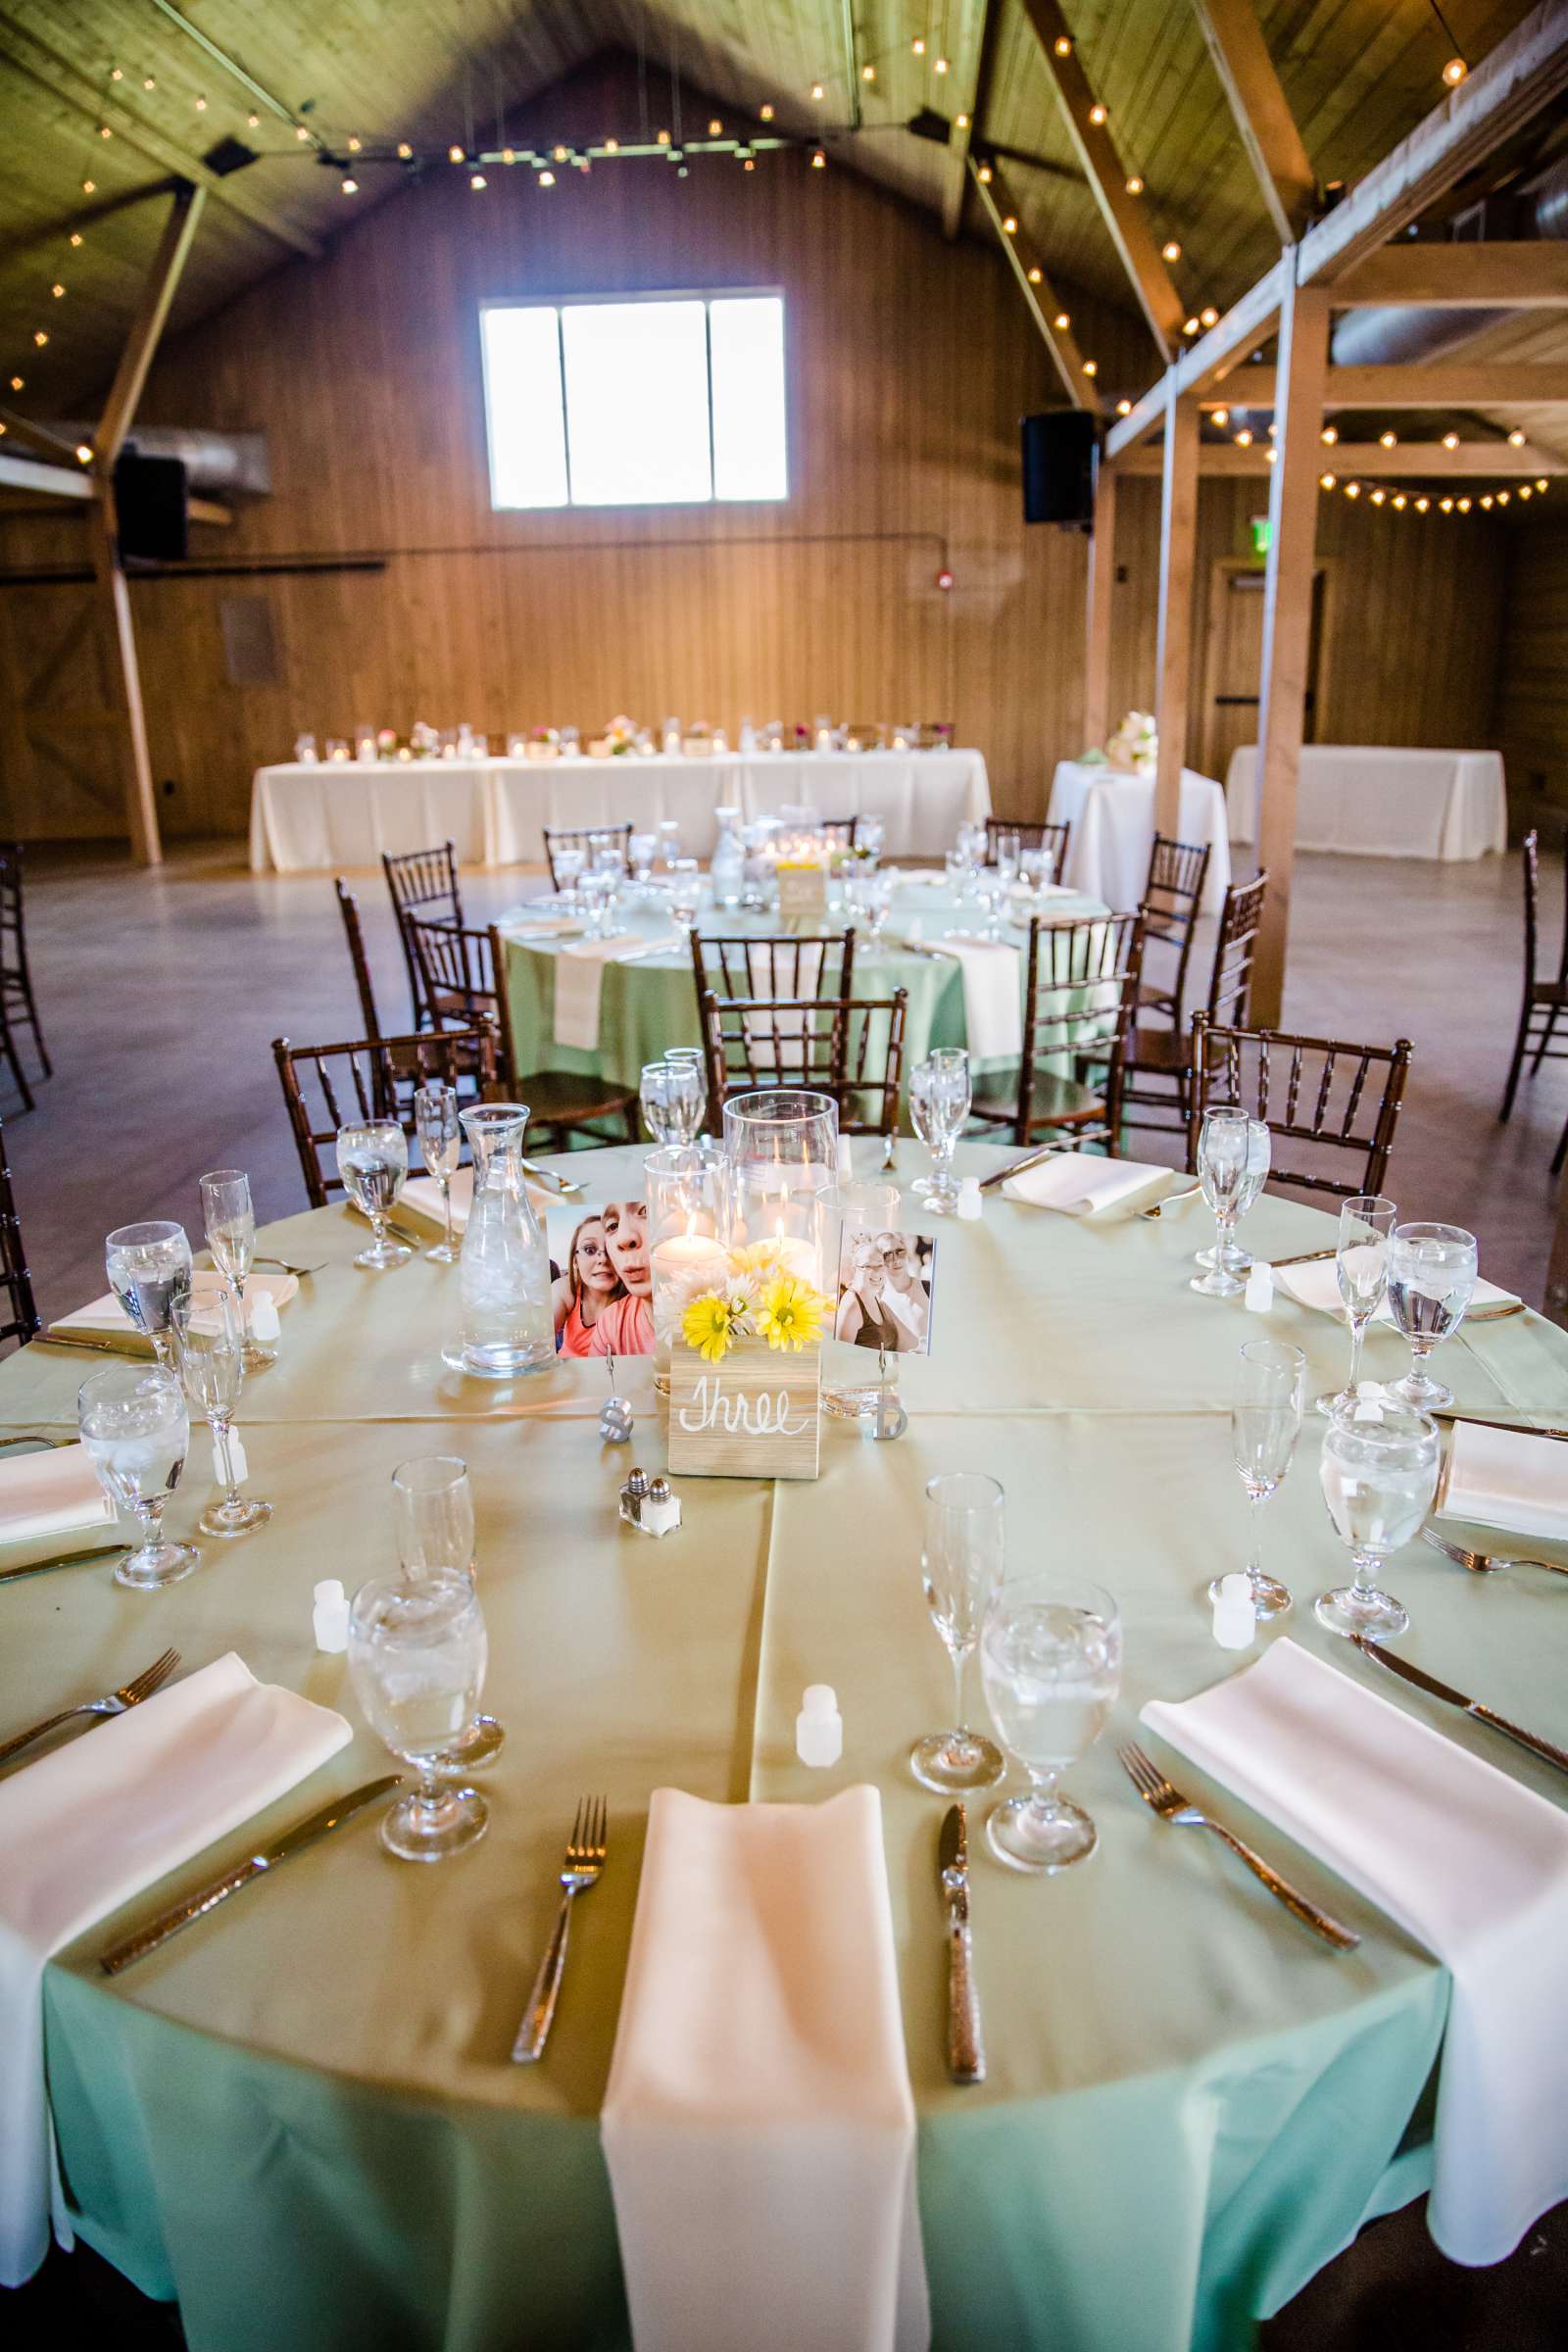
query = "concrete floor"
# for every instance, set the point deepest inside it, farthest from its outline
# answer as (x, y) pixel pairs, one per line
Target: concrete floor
(161, 993)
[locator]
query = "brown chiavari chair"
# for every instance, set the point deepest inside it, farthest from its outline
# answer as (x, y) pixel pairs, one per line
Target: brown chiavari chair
(15, 1282)
(774, 963)
(1053, 838)
(328, 1087)
(1080, 991)
(348, 906)
(1315, 1092)
(587, 838)
(423, 886)
(1160, 1062)
(1177, 874)
(1543, 1000)
(851, 1048)
(17, 1001)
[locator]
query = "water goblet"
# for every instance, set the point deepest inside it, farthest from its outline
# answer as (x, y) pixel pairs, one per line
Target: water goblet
(1223, 1145)
(439, 1129)
(1379, 1473)
(642, 849)
(1362, 1264)
(939, 1106)
(1238, 1261)
(869, 834)
(135, 1426)
(1432, 1274)
(595, 893)
(875, 901)
(568, 865)
(1008, 854)
(1051, 1662)
(1265, 1422)
(670, 843)
(685, 892)
(230, 1222)
(1038, 868)
(961, 1567)
(149, 1268)
(209, 1352)
(373, 1159)
(416, 1661)
(432, 1507)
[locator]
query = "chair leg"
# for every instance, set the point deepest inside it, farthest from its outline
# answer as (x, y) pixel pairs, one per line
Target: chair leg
(7, 1048)
(1515, 1066)
(37, 1033)
(1561, 1152)
(1545, 1040)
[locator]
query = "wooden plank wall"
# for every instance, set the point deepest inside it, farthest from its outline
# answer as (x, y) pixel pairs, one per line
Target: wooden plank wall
(1531, 717)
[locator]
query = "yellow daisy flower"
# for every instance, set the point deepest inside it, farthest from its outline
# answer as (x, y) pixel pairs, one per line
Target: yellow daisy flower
(757, 1257)
(791, 1314)
(708, 1326)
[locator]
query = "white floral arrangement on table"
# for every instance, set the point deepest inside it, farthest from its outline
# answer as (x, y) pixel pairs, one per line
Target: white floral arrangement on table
(618, 739)
(542, 742)
(387, 743)
(755, 1296)
(1135, 745)
(699, 740)
(424, 741)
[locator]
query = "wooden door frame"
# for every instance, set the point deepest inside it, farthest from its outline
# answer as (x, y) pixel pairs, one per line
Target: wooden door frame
(1221, 572)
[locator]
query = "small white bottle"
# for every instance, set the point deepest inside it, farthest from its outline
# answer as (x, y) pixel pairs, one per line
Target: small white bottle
(1235, 1617)
(1259, 1296)
(819, 1727)
(970, 1203)
(330, 1615)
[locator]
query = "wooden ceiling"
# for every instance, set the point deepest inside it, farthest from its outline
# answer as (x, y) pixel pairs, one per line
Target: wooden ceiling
(1358, 75)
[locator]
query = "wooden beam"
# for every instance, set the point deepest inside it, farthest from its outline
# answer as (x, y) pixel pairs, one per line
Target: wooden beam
(163, 278)
(1460, 276)
(972, 63)
(34, 58)
(1245, 326)
(1045, 309)
(1151, 281)
(1412, 384)
(1279, 162)
(38, 438)
(23, 473)
(1178, 556)
(141, 806)
(1101, 610)
(1414, 461)
(1287, 626)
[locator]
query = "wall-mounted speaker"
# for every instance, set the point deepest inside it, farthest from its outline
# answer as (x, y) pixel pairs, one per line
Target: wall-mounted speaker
(1060, 456)
(150, 508)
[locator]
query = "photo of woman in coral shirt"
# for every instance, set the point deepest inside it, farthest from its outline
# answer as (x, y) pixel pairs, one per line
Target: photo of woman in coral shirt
(589, 1284)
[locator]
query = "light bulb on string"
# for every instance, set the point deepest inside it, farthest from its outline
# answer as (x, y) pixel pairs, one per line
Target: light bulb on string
(547, 179)
(18, 383)
(1387, 440)
(1243, 439)
(83, 453)
(301, 132)
(1091, 367)
(917, 46)
(350, 186)
(1328, 435)
(1445, 504)
(941, 65)
(1450, 440)
(1124, 408)
(404, 152)
(476, 181)
(868, 73)
(1189, 326)
(355, 142)
(1463, 505)
(454, 155)
(819, 159)
(1540, 484)
(1516, 439)
(1503, 498)
(1062, 45)
(816, 90)
(255, 121)
(1455, 71)
(1209, 315)
(611, 146)
(1524, 489)
(961, 121)
(201, 106)
(1326, 481)
(76, 236)
(1422, 503)
(1400, 502)
(117, 74)
(1270, 455)
(88, 187)
(1063, 320)
(1378, 497)
(148, 83)
(716, 128)
(58, 291)
(983, 174)
(1009, 227)
(1134, 185)
(1170, 251)
(1352, 489)
(1222, 415)
(765, 110)
(39, 337)
(1486, 500)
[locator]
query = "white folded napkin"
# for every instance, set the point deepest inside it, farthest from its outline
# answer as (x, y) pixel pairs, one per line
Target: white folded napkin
(1466, 1860)
(758, 2123)
(1317, 1285)
(1079, 1186)
(422, 1194)
(105, 1315)
(51, 1494)
(93, 1822)
(1503, 1477)
(580, 980)
(992, 995)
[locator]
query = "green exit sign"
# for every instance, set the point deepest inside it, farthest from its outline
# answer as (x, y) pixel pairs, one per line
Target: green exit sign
(1261, 534)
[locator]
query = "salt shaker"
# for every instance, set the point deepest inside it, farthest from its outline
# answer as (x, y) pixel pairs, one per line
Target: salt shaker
(819, 1727)
(330, 1615)
(1235, 1616)
(970, 1203)
(633, 1497)
(660, 1514)
(1260, 1288)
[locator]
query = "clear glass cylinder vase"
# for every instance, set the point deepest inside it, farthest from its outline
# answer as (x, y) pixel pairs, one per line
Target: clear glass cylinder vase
(686, 1255)
(781, 1148)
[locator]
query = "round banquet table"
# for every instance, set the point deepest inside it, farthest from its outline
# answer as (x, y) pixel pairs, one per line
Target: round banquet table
(299, 2116)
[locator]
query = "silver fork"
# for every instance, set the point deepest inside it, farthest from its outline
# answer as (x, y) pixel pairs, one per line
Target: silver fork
(1157, 1793)
(585, 1859)
(113, 1702)
(285, 1266)
(1171, 1201)
(1482, 1563)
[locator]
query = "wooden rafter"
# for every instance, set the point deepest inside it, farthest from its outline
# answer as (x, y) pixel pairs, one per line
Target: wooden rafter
(38, 438)
(1152, 282)
(1045, 309)
(163, 278)
(973, 65)
(1464, 276)
(1245, 326)
(56, 481)
(1411, 384)
(1267, 127)
(1416, 460)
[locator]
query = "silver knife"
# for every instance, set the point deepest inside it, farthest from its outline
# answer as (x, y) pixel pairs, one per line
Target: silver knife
(1015, 1167)
(283, 1847)
(1482, 1713)
(63, 1559)
(966, 2057)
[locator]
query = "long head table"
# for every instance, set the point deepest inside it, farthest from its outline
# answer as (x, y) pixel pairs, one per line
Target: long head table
(300, 2117)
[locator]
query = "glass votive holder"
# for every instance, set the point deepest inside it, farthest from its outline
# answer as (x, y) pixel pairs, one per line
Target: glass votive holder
(781, 1149)
(686, 1255)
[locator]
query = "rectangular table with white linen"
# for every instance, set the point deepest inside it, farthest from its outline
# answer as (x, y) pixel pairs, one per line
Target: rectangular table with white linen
(1382, 800)
(1111, 814)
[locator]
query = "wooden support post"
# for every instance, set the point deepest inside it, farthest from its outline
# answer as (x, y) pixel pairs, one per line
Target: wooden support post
(141, 806)
(1178, 556)
(1302, 369)
(1102, 581)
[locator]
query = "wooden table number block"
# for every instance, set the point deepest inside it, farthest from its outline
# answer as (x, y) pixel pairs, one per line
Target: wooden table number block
(756, 1414)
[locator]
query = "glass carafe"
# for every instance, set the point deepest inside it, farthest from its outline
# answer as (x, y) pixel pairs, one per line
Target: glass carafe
(506, 1326)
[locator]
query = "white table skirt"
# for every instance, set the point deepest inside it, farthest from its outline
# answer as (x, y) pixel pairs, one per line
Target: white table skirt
(345, 813)
(1112, 819)
(1380, 801)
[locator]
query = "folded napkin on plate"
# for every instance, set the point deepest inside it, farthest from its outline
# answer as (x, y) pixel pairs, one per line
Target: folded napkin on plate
(1467, 1861)
(51, 1494)
(580, 979)
(520, 923)
(993, 994)
(1080, 1185)
(92, 1824)
(422, 1194)
(106, 1318)
(1318, 1286)
(1504, 1477)
(758, 2123)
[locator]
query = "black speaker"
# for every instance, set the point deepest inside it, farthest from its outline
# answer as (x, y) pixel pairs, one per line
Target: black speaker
(1060, 456)
(150, 507)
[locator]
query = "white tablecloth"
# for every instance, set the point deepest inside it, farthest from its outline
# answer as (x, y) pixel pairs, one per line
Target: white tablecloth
(1112, 819)
(342, 813)
(1379, 801)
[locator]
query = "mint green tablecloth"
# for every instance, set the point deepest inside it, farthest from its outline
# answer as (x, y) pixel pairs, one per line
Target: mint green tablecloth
(299, 2116)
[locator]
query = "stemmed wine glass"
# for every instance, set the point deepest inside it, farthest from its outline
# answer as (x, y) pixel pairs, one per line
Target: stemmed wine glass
(688, 1091)
(961, 1567)
(432, 1505)
(1380, 1473)
(230, 1222)
(940, 1093)
(1038, 868)
(1265, 1422)
(149, 1268)
(1361, 1263)
(373, 1159)
(1224, 1143)
(209, 1351)
(1432, 1275)
(440, 1133)
(1260, 1147)
(416, 1660)
(567, 863)
(1050, 1660)
(642, 849)
(133, 1422)
(685, 892)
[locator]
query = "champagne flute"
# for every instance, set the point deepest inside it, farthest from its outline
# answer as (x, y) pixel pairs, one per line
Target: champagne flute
(149, 1268)
(134, 1425)
(1432, 1274)
(1265, 1422)
(1051, 1659)
(209, 1351)
(655, 1091)
(1361, 1263)
(416, 1660)
(939, 1106)
(960, 1566)
(433, 1506)
(687, 1091)
(1223, 1144)
(685, 892)
(1379, 1474)
(440, 1133)
(230, 1222)
(373, 1159)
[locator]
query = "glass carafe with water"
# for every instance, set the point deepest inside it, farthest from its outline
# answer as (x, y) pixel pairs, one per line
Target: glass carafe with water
(505, 1325)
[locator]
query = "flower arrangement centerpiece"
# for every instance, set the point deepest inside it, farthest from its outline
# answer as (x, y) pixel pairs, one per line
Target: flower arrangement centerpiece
(621, 736)
(698, 741)
(1134, 746)
(543, 743)
(757, 1295)
(387, 743)
(424, 741)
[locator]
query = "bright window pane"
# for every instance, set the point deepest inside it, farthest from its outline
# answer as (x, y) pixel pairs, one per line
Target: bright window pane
(522, 403)
(750, 459)
(637, 400)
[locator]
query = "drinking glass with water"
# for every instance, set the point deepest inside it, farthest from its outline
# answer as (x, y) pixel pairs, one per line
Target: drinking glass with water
(373, 1159)
(149, 1268)
(133, 1422)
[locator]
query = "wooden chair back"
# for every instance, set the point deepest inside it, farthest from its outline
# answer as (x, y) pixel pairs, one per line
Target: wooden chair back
(1080, 1000)
(1172, 893)
(328, 1086)
(1327, 1100)
(588, 838)
(1053, 838)
(422, 883)
(20, 1318)
(774, 963)
(348, 906)
(1230, 986)
(851, 1048)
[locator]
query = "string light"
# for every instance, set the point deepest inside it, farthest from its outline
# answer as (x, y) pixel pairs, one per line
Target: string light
(84, 453)
(1516, 439)
(868, 73)
(1352, 489)
(1463, 505)
(116, 74)
(1503, 498)
(76, 236)
(1010, 225)
(1170, 250)
(302, 132)
(984, 175)
(1401, 501)
(1063, 320)
(1450, 440)
(1486, 502)
(1209, 315)
(816, 90)
(1378, 497)
(662, 137)
(476, 181)
(1540, 484)
(1244, 439)
(961, 121)
(1422, 503)
(611, 146)
(148, 82)
(1124, 408)
(1062, 45)
(1524, 489)
(454, 155)
(1033, 274)
(104, 131)
(39, 337)
(1091, 367)
(201, 109)
(765, 110)
(1447, 505)
(351, 187)
(1387, 440)
(1135, 186)
(547, 179)
(88, 186)
(1222, 415)
(1326, 481)
(1328, 435)
(917, 46)
(1271, 454)
(1096, 114)
(58, 291)
(818, 161)
(18, 383)
(561, 154)
(354, 142)
(1189, 326)
(716, 128)
(404, 152)
(941, 65)
(1455, 71)
(255, 121)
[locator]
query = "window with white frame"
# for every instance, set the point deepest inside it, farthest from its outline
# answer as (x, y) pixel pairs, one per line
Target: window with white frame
(656, 399)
